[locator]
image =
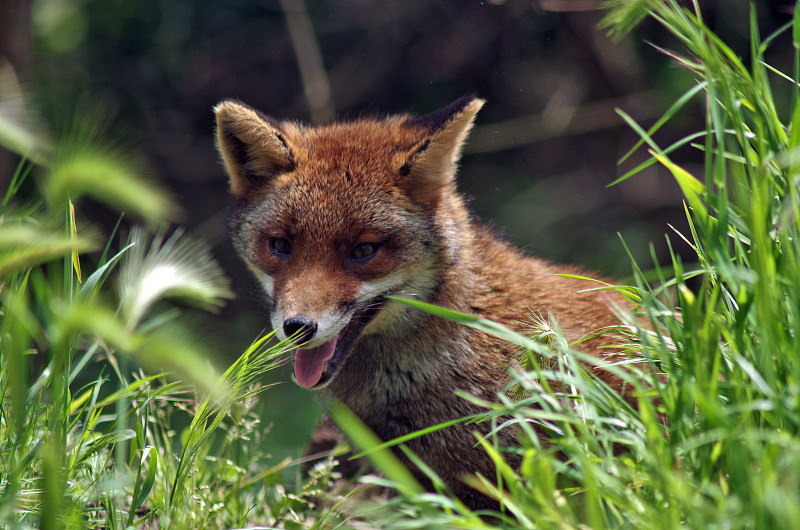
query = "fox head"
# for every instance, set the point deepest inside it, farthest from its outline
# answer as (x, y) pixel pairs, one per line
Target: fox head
(331, 219)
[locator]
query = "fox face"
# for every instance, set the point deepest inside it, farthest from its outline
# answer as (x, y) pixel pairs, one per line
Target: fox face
(331, 219)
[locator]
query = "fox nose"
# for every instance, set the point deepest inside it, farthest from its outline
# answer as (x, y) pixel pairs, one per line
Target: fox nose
(301, 327)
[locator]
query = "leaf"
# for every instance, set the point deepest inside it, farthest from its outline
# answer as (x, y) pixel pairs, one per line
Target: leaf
(109, 177)
(417, 434)
(382, 459)
(628, 292)
(492, 328)
(92, 282)
(27, 245)
(91, 319)
(793, 149)
(690, 186)
(149, 480)
(673, 109)
(796, 29)
(73, 231)
(623, 16)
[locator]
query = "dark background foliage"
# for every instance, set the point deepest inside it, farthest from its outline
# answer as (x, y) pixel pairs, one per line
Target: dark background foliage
(537, 165)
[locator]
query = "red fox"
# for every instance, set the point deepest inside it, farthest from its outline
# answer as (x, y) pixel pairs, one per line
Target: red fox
(331, 219)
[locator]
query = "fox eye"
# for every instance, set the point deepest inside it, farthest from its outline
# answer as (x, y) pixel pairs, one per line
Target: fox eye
(280, 246)
(364, 251)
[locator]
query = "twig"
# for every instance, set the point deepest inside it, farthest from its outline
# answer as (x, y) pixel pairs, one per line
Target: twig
(309, 60)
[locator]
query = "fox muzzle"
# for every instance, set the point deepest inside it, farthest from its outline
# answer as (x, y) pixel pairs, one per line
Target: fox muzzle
(301, 327)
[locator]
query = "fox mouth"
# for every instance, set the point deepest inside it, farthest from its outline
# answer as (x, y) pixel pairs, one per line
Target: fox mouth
(315, 367)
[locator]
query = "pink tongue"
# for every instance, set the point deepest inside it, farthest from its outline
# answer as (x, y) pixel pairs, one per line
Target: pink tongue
(310, 363)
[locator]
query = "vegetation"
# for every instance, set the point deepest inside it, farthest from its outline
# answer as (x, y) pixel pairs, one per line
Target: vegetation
(94, 433)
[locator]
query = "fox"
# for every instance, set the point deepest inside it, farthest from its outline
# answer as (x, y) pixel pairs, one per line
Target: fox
(332, 219)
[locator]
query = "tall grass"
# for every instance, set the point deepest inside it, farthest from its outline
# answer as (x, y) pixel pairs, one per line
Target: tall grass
(715, 439)
(111, 415)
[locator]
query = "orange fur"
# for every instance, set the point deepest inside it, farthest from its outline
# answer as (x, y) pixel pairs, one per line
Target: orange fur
(330, 194)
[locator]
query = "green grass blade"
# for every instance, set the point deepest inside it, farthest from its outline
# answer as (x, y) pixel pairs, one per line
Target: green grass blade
(24, 246)
(671, 111)
(96, 279)
(381, 458)
(482, 324)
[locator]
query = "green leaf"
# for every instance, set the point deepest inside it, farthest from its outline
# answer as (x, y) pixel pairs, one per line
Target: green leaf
(492, 328)
(623, 16)
(382, 459)
(673, 109)
(793, 150)
(26, 245)
(73, 232)
(416, 434)
(149, 480)
(93, 282)
(628, 292)
(110, 177)
(690, 186)
(92, 319)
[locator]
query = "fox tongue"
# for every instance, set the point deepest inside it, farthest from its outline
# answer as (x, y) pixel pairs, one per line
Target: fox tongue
(310, 363)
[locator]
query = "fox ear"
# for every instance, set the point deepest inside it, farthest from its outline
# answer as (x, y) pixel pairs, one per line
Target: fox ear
(252, 146)
(432, 166)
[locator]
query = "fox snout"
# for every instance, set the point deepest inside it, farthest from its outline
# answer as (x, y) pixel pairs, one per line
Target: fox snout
(324, 344)
(301, 327)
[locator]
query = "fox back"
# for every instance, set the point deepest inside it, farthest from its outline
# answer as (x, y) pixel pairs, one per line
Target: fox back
(332, 219)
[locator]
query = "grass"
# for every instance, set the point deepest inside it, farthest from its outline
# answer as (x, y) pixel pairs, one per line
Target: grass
(111, 417)
(714, 441)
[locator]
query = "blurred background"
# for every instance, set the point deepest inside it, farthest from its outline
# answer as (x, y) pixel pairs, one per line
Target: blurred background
(537, 165)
